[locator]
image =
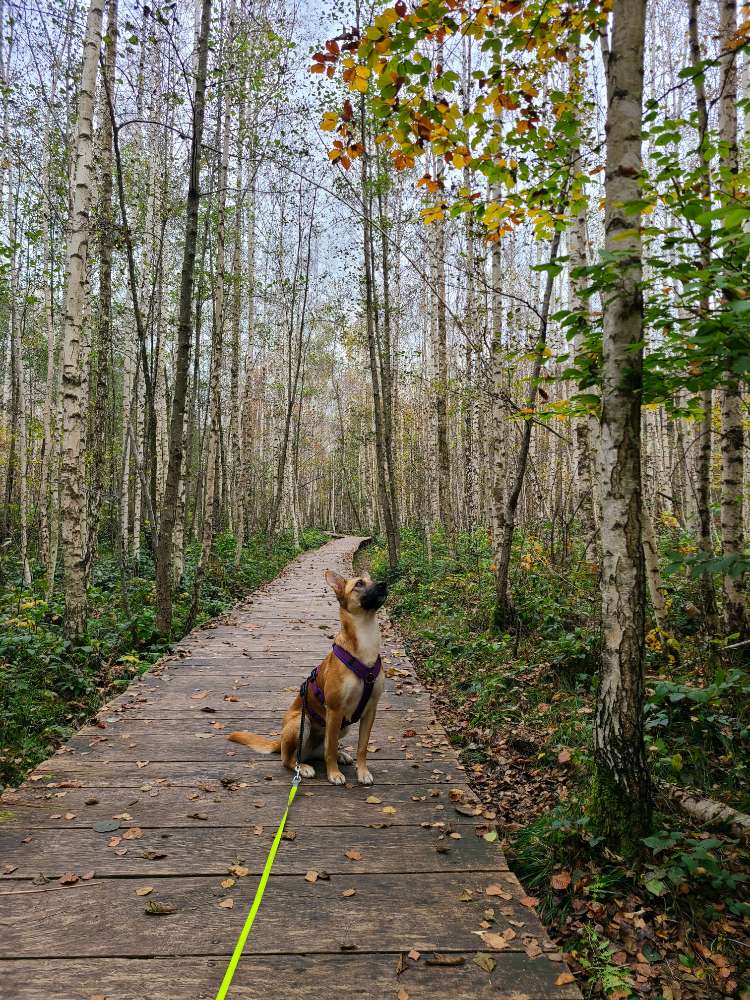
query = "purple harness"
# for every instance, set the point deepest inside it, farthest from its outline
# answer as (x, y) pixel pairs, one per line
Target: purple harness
(368, 676)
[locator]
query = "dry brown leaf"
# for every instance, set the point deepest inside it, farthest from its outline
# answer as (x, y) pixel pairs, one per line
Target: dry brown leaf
(389, 810)
(69, 878)
(532, 948)
(239, 870)
(145, 890)
(227, 904)
(530, 901)
(561, 880)
(349, 892)
(438, 959)
(495, 941)
(413, 955)
(199, 695)
(134, 833)
(311, 876)
(497, 890)
(373, 800)
(156, 909)
(402, 994)
(353, 854)
(228, 883)
(564, 979)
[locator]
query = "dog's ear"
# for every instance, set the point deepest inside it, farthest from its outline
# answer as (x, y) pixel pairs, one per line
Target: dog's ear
(336, 582)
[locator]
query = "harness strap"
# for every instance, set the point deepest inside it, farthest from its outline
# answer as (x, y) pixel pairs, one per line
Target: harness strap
(368, 676)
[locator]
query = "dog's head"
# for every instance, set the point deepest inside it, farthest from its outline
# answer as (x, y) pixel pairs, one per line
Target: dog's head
(358, 594)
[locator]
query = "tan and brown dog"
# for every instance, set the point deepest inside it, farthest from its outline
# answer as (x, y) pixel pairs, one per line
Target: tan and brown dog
(359, 637)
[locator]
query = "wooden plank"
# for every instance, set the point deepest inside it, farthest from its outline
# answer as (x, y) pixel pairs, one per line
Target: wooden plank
(201, 850)
(393, 913)
(287, 977)
(34, 808)
(260, 769)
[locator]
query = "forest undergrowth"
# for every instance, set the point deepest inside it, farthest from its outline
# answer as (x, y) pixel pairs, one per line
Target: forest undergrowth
(671, 923)
(50, 685)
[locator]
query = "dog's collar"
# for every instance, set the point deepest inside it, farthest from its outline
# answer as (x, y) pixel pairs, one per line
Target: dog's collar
(367, 674)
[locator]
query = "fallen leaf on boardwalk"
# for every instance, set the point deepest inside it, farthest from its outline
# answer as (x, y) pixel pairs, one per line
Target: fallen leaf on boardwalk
(227, 904)
(126, 817)
(373, 800)
(257, 830)
(349, 892)
(354, 855)
(9, 869)
(199, 695)
(239, 870)
(145, 890)
(402, 995)
(231, 697)
(497, 890)
(532, 948)
(408, 733)
(134, 833)
(564, 979)
(154, 855)
(311, 876)
(197, 816)
(490, 836)
(564, 756)
(401, 964)
(114, 841)
(69, 878)
(560, 881)
(228, 883)
(289, 835)
(87, 876)
(414, 955)
(438, 959)
(156, 909)
(389, 810)
(530, 901)
(485, 961)
(468, 810)
(468, 897)
(70, 816)
(495, 941)
(456, 794)
(142, 763)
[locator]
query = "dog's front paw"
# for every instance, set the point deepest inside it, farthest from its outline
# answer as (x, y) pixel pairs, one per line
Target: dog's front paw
(365, 777)
(306, 771)
(344, 757)
(336, 778)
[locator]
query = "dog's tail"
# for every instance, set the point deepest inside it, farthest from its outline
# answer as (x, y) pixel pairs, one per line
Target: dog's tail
(261, 744)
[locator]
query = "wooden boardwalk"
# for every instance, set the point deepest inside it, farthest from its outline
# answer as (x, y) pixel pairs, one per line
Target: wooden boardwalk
(151, 805)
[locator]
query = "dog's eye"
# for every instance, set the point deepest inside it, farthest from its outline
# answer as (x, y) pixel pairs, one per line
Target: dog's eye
(359, 584)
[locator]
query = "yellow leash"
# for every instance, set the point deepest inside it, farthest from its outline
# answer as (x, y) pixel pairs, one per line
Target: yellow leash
(239, 947)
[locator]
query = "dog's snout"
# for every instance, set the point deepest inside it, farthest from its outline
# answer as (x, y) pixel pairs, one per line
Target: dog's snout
(374, 597)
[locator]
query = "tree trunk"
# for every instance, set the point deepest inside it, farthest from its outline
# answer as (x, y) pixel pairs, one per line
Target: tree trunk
(621, 799)
(72, 483)
(732, 432)
(164, 554)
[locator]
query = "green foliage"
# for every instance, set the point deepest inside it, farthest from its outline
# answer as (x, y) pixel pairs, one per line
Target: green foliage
(594, 954)
(49, 686)
(684, 864)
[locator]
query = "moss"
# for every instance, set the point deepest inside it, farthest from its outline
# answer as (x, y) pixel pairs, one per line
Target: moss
(616, 815)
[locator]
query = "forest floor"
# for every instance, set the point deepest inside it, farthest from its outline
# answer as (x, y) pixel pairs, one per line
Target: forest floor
(49, 686)
(672, 925)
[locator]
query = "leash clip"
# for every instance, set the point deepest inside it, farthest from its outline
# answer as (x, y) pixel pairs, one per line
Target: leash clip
(297, 777)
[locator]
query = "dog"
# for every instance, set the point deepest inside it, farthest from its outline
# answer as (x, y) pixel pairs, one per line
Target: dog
(344, 689)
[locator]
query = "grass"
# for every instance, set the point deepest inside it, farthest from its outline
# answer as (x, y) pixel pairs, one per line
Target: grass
(50, 686)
